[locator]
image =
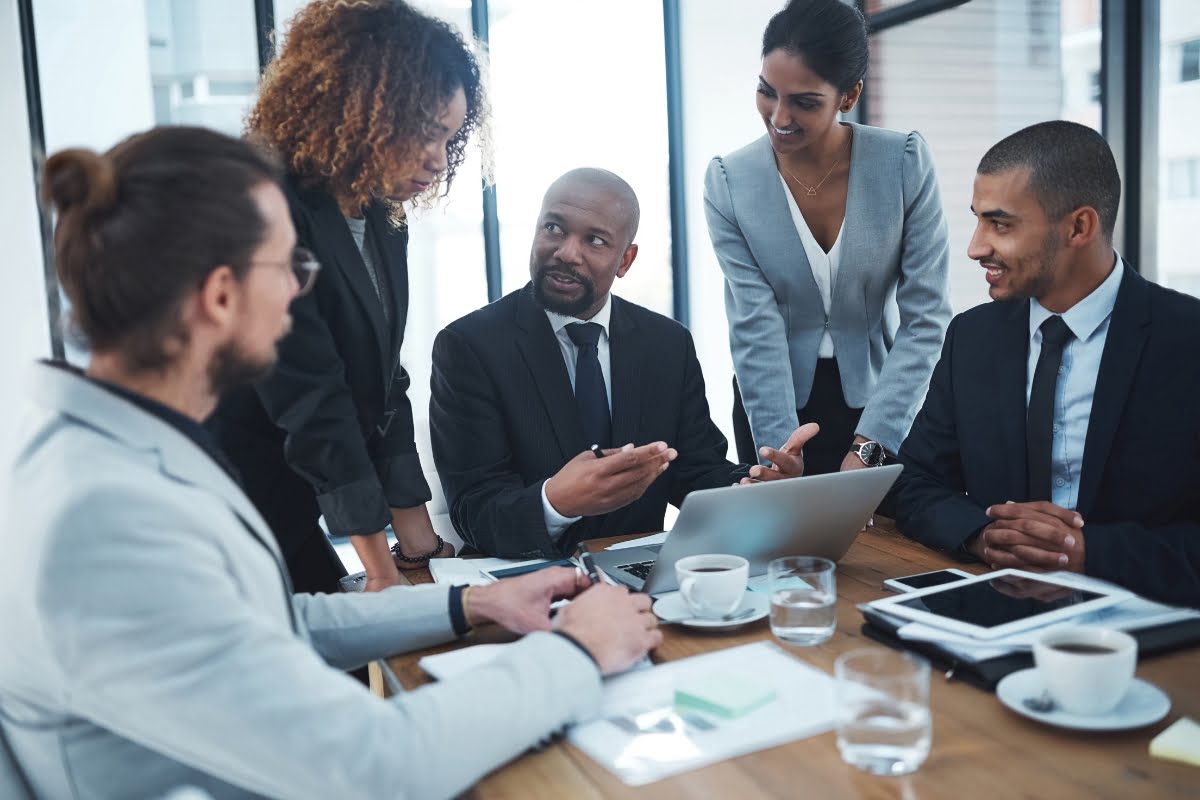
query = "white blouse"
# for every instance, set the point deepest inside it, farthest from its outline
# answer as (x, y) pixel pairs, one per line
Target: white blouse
(824, 265)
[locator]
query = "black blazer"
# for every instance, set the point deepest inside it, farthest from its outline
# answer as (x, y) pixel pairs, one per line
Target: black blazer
(330, 430)
(503, 419)
(1139, 492)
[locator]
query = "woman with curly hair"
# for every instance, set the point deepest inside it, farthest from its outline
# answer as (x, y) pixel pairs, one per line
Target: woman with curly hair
(370, 104)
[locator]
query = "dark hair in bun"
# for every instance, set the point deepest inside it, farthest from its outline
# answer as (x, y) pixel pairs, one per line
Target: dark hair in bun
(141, 226)
(79, 181)
(829, 35)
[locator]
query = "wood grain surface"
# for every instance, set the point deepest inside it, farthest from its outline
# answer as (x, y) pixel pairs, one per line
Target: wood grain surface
(980, 748)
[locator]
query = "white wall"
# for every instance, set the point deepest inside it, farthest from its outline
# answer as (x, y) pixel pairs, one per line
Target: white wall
(720, 66)
(23, 298)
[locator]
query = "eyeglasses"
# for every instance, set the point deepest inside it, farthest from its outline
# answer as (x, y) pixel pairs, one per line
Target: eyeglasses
(304, 266)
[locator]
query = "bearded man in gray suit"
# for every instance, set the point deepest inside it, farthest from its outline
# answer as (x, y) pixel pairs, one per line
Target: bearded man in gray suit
(151, 638)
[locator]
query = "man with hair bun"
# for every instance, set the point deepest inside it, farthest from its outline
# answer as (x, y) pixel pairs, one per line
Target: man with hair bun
(151, 636)
(1060, 430)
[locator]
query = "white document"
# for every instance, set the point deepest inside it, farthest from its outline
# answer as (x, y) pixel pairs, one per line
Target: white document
(443, 666)
(641, 738)
(654, 538)
(469, 570)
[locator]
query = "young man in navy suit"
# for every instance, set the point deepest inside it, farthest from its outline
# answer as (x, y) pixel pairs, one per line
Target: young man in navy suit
(525, 387)
(1061, 431)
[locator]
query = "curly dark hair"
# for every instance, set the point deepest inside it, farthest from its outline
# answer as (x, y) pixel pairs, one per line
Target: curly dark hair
(355, 90)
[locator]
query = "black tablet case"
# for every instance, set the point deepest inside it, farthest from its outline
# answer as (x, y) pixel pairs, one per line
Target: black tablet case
(987, 673)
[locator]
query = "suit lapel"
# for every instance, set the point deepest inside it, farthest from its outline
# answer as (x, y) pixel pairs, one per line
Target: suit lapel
(1128, 330)
(392, 244)
(784, 262)
(1008, 367)
(629, 361)
(855, 253)
(540, 350)
(328, 219)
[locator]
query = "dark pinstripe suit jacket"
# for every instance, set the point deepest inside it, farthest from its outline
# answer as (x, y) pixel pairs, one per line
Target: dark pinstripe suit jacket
(503, 419)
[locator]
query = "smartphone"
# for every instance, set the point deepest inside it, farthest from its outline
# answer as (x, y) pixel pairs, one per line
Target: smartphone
(923, 580)
(525, 569)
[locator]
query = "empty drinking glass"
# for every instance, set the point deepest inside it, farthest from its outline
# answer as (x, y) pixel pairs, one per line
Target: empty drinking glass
(883, 721)
(803, 599)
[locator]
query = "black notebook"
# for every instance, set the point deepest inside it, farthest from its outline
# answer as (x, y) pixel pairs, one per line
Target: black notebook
(987, 673)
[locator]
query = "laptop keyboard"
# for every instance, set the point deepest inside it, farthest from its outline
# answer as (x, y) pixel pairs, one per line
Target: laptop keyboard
(640, 569)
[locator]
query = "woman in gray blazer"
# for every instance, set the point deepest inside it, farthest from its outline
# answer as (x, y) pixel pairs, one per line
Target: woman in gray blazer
(834, 250)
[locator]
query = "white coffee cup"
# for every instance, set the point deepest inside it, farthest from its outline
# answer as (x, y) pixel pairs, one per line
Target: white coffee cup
(712, 585)
(1086, 670)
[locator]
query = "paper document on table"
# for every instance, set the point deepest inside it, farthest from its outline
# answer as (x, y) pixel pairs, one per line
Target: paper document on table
(642, 737)
(469, 570)
(654, 538)
(443, 666)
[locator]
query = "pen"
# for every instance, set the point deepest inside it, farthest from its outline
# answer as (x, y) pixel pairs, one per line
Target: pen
(589, 566)
(597, 450)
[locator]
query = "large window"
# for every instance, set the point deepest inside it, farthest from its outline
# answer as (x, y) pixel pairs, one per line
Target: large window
(969, 76)
(1179, 146)
(579, 84)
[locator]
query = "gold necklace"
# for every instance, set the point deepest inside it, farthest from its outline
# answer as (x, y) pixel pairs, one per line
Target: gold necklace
(811, 191)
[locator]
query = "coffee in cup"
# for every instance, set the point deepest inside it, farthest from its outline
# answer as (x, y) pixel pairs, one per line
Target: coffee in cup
(712, 585)
(1086, 670)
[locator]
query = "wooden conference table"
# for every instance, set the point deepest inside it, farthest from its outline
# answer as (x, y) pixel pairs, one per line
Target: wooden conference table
(980, 748)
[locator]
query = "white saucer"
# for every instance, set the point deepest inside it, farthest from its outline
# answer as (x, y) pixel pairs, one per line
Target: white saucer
(672, 608)
(1144, 704)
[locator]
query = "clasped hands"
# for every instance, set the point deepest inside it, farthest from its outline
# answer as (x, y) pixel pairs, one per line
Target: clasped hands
(589, 485)
(1038, 537)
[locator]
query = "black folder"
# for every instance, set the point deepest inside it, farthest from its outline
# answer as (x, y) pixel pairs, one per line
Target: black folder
(987, 673)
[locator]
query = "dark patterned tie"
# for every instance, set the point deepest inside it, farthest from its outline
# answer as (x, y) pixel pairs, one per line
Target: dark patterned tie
(1039, 420)
(590, 392)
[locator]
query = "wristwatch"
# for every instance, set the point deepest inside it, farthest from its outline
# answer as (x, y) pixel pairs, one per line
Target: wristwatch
(871, 453)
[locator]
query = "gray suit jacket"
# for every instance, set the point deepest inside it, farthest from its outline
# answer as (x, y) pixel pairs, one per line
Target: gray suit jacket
(890, 300)
(150, 640)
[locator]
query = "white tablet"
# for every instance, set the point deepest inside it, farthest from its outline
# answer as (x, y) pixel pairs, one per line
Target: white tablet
(999, 603)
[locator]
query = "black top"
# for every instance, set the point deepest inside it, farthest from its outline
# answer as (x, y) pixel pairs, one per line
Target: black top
(330, 430)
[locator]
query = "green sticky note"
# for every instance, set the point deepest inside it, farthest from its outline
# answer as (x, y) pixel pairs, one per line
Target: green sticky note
(724, 695)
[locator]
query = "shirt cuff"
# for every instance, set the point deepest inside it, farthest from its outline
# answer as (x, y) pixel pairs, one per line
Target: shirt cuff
(577, 643)
(556, 523)
(358, 508)
(458, 614)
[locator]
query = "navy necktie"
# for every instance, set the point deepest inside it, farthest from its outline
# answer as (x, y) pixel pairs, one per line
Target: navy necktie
(1039, 419)
(590, 392)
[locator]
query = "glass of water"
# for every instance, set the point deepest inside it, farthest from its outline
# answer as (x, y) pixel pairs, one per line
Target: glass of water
(803, 599)
(883, 726)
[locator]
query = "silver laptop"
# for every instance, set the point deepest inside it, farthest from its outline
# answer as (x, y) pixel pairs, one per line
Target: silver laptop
(815, 516)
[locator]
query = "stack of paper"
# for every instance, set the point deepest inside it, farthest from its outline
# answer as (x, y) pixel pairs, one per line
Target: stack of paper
(642, 736)
(469, 570)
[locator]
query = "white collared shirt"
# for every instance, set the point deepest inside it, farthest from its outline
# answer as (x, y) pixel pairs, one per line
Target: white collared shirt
(556, 523)
(1088, 320)
(824, 265)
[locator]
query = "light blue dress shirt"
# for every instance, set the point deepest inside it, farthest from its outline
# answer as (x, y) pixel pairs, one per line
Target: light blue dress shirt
(1088, 320)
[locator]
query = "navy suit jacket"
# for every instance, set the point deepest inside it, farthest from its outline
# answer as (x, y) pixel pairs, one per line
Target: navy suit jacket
(1139, 492)
(503, 419)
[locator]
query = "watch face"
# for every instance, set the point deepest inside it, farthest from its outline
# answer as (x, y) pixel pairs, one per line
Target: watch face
(871, 453)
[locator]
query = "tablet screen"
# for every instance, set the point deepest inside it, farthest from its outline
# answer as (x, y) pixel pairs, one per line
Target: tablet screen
(999, 601)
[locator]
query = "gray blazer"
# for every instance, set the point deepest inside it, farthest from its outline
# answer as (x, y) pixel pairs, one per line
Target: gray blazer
(149, 639)
(890, 305)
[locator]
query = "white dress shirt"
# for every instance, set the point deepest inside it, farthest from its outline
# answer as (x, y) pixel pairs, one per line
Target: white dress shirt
(556, 523)
(824, 265)
(1088, 320)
